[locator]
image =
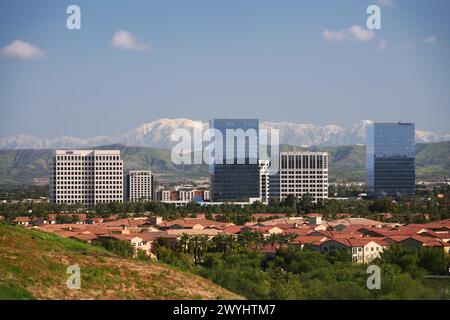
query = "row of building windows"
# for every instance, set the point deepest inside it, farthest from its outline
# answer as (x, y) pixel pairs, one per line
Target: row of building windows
(87, 202)
(115, 187)
(91, 170)
(75, 182)
(86, 158)
(324, 172)
(101, 196)
(303, 161)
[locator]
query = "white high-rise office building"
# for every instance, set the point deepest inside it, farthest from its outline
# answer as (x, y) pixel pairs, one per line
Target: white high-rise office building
(264, 180)
(301, 173)
(87, 177)
(140, 185)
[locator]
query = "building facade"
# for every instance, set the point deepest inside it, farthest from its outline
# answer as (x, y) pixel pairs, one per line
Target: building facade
(235, 173)
(264, 181)
(184, 195)
(140, 185)
(301, 173)
(87, 177)
(390, 159)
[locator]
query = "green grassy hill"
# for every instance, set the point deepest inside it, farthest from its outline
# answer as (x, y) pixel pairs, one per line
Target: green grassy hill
(33, 265)
(346, 163)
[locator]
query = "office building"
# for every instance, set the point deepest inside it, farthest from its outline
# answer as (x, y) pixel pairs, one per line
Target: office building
(301, 173)
(390, 159)
(264, 180)
(140, 185)
(87, 177)
(183, 195)
(235, 174)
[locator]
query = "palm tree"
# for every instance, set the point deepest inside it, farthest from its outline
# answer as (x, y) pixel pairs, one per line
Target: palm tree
(219, 242)
(258, 239)
(230, 242)
(272, 239)
(183, 242)
(245, 238)
(197, 245)
(291, 236)
(204, 244)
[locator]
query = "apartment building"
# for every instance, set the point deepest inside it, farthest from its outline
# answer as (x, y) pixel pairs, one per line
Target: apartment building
(87, 177)
(140, 185)
(300, 173)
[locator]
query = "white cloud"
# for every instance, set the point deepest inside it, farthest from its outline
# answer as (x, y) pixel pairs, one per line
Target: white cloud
(386, 3)
(125, 40)
(332, 35)
(22, 50)
(382, 45)
(360, 34)
(354, 33)
(431, 39)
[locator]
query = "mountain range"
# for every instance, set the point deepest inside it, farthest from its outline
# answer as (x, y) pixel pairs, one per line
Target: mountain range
(157, 134)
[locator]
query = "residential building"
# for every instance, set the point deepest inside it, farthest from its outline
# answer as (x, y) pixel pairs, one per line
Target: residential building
(87, 177)
(300, 173)
(390, 159)
(362, 250)
(235, 172)
(140, 185)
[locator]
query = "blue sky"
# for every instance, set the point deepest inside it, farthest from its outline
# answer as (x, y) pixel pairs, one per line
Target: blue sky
(214, 59)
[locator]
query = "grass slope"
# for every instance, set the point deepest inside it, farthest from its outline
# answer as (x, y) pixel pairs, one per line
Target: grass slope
(33, 265)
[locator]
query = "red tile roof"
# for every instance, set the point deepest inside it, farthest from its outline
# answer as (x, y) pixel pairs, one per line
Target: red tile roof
(232, 230)
(22, 219)
(308, 239)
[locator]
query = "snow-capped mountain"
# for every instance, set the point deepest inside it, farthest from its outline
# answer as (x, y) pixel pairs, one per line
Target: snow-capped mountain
(157, 134)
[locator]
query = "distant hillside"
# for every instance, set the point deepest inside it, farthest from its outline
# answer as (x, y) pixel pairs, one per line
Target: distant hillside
(22, 166)
(346, 162)
(33, 265)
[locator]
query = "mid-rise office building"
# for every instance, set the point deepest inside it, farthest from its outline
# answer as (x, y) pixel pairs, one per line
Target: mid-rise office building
(184, 195)
(139, 185)
(87, 177)
(301, 173)
(390, 159)
(235, 176)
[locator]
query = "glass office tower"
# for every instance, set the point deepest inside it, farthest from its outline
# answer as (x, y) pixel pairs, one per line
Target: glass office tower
(390, 159)
(235, 172)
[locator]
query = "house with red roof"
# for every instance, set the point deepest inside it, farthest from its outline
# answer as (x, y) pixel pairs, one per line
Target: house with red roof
(420, 241)
(136, 241)
(268, 230)
(23, 221)
(363, 250)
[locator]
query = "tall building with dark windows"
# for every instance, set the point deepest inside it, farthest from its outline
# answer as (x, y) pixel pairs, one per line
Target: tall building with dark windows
(390, 159)
(235, 172)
